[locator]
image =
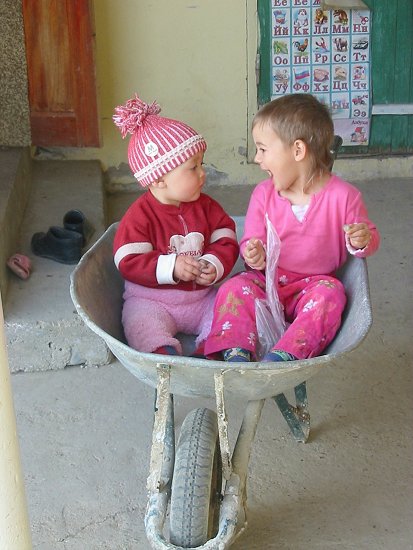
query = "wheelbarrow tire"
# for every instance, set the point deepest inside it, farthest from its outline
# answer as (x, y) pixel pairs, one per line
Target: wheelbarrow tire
(196, 482)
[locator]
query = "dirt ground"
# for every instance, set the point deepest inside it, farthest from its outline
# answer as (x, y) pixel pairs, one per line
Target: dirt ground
(85, 432)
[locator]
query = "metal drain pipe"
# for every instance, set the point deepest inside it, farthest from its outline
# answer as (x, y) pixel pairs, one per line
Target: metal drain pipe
(14, 520)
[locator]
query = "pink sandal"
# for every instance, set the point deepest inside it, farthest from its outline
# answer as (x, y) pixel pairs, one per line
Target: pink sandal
(20, 265)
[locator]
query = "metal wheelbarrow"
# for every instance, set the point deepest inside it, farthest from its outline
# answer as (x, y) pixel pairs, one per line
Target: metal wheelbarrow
(199, 481)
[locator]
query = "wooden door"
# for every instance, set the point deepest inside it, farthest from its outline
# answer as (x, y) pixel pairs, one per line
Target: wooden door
(60, 43)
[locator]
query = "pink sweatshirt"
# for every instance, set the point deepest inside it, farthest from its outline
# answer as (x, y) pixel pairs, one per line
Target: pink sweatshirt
(316, 245)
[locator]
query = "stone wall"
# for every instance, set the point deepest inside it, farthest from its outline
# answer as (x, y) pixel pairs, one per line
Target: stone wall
(14, 102)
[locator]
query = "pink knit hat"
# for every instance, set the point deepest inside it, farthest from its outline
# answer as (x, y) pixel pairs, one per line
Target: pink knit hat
(158, 144)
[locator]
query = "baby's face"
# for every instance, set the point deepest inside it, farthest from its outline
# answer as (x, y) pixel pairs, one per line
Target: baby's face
(184, 183)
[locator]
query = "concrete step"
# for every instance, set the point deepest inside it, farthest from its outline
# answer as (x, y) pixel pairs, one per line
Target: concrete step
(43, 330)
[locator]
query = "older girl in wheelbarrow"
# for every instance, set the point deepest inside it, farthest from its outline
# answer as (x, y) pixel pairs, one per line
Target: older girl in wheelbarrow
(319, 219)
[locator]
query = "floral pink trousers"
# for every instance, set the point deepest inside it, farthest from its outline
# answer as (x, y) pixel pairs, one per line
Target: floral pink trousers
(313, 305)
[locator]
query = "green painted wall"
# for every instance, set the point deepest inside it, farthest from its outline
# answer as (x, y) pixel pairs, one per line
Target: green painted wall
(391, 66)
(392, 72)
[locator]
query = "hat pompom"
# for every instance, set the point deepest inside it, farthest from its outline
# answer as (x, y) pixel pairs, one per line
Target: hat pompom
(130, 116)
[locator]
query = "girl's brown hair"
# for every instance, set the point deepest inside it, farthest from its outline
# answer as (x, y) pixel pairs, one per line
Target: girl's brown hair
(301, 116)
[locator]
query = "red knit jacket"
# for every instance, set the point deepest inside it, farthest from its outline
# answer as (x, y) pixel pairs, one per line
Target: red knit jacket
(151, 235)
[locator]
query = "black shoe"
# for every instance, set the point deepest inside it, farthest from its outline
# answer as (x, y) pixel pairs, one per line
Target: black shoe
(58, 244)
(75, 220)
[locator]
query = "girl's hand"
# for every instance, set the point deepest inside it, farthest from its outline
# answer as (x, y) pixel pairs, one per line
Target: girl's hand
(208, 274)
(254, 254)
(358, 233)
(186, 269)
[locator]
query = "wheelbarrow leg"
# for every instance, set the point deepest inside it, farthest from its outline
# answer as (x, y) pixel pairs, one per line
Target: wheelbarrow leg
(163, 434)
(298, 417)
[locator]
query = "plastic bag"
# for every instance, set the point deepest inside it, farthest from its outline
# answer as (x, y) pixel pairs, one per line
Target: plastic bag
(269, 312)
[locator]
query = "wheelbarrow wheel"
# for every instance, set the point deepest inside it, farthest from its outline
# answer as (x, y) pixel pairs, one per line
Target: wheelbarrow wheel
(196, 482)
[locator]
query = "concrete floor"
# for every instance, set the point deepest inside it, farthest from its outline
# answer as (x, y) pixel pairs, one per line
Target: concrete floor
(85, 432)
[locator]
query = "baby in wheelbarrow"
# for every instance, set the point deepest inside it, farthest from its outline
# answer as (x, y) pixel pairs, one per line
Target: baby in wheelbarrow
(319, 218)
(174, 242)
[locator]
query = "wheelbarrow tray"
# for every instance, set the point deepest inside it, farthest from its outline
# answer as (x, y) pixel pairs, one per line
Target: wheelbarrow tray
(96, 290)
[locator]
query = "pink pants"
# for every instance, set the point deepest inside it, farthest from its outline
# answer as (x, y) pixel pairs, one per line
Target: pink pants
(313, 305)
(152, 317)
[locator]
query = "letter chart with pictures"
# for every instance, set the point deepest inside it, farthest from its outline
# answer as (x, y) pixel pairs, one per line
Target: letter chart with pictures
(325, 53)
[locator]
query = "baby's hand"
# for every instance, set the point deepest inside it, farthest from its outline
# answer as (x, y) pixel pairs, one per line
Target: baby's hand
(186, 269)
(254, 254)
(358, 233)
(208, 274)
